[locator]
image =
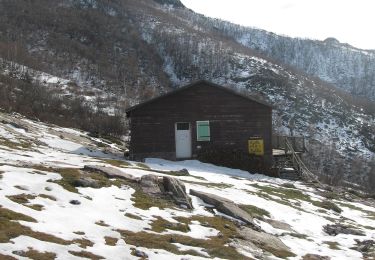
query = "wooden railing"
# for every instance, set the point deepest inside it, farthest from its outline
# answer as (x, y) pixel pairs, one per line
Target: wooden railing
(297, 142)
(298, 163)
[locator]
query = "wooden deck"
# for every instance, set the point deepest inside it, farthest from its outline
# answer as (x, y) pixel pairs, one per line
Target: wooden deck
(281, 152)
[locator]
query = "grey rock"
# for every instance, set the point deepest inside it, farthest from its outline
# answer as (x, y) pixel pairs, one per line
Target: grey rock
(75, 202)
(150, 184)
(110, 172)
(279, 225)
(140, 253)
(367, 247)
(336, 229)
(86, 182)
(265, 241)
(226, 206)
(178, 191)
(248, 247)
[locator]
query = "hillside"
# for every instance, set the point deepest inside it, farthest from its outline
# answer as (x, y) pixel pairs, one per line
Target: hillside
(113, 54)
(53, 205)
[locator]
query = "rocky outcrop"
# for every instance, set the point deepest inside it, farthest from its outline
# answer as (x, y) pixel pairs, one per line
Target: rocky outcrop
(336, 229)
(225, 206)
(366, 247)
(266, 242)
(111, 172)
(178, 191)
(150, 184)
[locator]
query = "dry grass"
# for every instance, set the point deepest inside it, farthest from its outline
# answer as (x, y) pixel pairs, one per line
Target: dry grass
(332, 245)
(7, 257)
(24, 199)
(130, 215)
(111, 241)
(159, 225)
(36, 255)
(215, 246)
(101, 223)
(86, 254)
(45, 196)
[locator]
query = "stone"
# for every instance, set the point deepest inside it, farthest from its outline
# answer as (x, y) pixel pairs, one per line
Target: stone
(110, 172)
(248, 247)
(178, 191)
(150, 184)
(266, 242)
(226, 206)
(279, 225)
(366, 247)
(336, 229)
(75, 202)
(183, 172)
(86, 182)
(140, 253)
(315, 257)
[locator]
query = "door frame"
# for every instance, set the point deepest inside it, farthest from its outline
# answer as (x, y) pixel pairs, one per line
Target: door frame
(190, 141)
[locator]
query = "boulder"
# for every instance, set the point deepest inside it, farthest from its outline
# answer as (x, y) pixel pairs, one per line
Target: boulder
(178, 191)
(225, 206)
(75, 202)
(140, 254)
(110, 172)
(86, 182)
(150, 184)
(247, 247)
(336, 229)
(266, 242)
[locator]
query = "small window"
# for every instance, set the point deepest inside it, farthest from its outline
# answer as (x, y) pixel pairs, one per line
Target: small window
(183, 126)
(203, 131)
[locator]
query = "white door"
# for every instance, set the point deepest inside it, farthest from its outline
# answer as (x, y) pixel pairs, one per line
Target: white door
(183, 140)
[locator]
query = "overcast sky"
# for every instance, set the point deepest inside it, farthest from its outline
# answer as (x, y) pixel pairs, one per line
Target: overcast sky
(349, 21)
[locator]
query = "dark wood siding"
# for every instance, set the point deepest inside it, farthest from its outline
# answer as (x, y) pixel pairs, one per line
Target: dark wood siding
(233, 120)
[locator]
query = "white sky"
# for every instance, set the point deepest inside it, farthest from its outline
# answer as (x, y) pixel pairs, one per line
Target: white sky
(349, 21)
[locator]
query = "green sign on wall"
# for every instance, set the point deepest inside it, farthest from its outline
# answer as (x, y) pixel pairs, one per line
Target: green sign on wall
(203, 131)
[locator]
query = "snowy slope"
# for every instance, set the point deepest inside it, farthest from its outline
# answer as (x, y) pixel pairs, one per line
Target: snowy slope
(36, 158)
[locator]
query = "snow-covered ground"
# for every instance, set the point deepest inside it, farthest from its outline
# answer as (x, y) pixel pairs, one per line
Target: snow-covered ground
(34, 157)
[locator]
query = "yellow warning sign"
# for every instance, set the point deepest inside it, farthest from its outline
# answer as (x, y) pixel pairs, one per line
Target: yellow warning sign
(256, 147)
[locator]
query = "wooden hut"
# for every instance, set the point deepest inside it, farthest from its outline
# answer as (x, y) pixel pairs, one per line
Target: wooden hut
(199, 117)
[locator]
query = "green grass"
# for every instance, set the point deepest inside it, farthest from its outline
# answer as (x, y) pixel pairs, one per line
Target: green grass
(159, 225)
(215, 246)
(142, 165)
(254, 211)
(211, 184)
(10, 228)
(332, 245)
(283, 193)
(327, 205)
(117, 163)
(288, 185)
(144, 201)
(71, 175)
